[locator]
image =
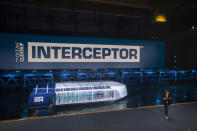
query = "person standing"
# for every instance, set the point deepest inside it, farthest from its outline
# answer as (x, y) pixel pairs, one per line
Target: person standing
(166, 100)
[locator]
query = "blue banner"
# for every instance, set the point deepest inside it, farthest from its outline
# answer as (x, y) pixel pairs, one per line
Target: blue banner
(19, 51)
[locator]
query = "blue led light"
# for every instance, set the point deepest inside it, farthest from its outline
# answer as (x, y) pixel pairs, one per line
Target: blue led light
(158, 102)
(82, 74)
(17, 71)
(137, 72)
(111, 73)
(124, 73)
(127, 75)
(34, 71)
(150, 73)
(9, 75)
(65, 74)
(183, 72)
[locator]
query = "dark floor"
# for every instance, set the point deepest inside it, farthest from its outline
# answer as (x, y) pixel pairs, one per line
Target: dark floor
(181, 117)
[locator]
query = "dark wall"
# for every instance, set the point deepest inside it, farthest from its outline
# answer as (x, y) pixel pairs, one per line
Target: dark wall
(181, 41)
(57, 22)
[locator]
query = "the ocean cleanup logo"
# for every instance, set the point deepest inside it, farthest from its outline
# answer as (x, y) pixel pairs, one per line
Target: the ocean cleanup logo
(19, 52)
(66, 52)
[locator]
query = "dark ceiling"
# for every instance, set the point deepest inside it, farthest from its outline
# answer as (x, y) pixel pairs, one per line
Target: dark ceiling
(129, 8)
(144, 11)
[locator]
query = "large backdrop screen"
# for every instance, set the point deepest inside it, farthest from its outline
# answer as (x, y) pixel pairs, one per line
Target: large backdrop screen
(19, 51)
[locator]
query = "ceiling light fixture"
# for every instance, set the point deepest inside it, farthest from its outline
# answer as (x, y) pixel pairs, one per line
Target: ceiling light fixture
(160, 18)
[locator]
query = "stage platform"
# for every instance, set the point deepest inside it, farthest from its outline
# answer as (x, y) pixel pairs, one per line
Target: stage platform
(182, 117)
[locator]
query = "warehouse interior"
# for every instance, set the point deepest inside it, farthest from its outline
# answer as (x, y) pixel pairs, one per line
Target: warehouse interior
(172, 22)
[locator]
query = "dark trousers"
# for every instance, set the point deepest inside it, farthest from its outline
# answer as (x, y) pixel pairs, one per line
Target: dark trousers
(166, 110)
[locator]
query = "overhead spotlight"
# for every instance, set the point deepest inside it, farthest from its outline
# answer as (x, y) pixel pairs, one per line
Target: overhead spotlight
(160, 18)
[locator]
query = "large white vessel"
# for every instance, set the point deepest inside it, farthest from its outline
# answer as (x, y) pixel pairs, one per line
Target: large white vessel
(66, 93)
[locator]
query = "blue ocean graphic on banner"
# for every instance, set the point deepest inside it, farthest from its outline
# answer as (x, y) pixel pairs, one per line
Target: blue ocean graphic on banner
(19, 51)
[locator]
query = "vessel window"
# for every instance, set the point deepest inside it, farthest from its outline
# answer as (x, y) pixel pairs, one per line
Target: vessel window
(57, 90)
(107, 87)
(98, 95)
(86, 88)
(82, 88)
(67, 89)
(72, 89)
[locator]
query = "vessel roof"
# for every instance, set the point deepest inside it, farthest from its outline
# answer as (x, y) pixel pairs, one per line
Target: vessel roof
(87, 84)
